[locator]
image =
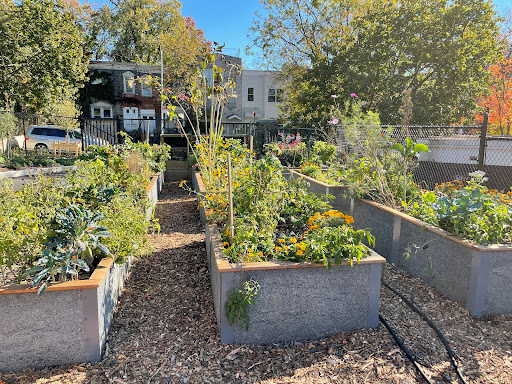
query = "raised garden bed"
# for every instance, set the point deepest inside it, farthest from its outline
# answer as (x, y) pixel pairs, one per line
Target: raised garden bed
(475, 276)
(298, 301)
(68, 324)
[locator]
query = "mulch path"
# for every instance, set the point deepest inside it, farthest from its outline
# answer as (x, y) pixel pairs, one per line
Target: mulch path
(164, 330)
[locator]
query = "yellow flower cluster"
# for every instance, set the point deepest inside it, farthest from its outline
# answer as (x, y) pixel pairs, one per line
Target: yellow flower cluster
(319, 220)
(294, 246)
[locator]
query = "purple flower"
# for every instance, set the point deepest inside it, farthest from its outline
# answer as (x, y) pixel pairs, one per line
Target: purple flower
(353, 95)
(334, 121)
(334, 96)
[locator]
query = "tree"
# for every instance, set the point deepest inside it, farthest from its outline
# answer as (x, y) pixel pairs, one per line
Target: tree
(42, 60)
(438, 50)
(499, 102)
(134, 30)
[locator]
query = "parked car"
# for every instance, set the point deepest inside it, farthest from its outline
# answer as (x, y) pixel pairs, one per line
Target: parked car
(42, 137)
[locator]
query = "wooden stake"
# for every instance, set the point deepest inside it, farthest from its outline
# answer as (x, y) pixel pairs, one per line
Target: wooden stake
(230, 193)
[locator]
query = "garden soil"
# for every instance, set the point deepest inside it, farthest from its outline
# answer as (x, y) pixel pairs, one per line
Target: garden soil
(164, 330)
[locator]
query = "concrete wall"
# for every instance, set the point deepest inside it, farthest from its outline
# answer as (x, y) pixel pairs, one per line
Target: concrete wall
(260, 82)
(342, 200)
(39, 331)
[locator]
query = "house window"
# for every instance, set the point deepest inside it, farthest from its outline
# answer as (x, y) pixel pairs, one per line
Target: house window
(101, 110)
(250, 94)
(279, 95)
(275, 95)
(271, 95)
(129, 82)
(146, 89)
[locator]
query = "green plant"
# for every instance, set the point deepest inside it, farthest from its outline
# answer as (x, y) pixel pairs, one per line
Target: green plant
(55, 264)
(24, 220)
(77, 229)
(408, 152)
(128, 227)
(472, 211)
(322, 153)
(237, 306)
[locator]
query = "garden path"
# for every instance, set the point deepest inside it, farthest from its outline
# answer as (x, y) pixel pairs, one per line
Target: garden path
(165, 332)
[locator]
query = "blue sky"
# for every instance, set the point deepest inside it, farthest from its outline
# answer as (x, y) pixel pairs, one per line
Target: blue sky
(228, 21)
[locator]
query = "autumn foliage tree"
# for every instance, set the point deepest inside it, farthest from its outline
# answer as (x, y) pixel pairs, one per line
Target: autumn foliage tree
(499, 101)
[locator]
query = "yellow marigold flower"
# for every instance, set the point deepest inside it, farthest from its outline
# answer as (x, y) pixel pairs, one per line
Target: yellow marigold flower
(260, 254)
(286, 248)
(281, 241)
(293, 240)
(278, 249)
(349, 219)
(249, 250)
(301, 245)
(225, 244)
(300, 252)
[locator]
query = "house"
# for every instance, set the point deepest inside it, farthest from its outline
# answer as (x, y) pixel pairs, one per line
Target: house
(261, 95)
(118, 91)
(116, 97)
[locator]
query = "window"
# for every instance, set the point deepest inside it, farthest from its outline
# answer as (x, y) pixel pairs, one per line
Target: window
(271, 95)
(101, 110)
(39, 131)
(275, 95)
(250, 94)
(56, 132)
(279, 96)
(129, 82)
(146, 89)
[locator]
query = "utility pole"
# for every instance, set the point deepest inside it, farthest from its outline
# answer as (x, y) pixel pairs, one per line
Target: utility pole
(161, 87)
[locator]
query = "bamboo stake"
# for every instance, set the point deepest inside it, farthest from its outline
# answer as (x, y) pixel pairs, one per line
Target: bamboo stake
(251, 146)
(230, 193)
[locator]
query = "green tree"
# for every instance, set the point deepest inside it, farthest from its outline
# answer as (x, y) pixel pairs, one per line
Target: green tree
(437, 50)
(42, 59)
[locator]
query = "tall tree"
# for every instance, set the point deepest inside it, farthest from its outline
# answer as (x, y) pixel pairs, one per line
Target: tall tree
(438, 50)
(134, 30)
(42, 60)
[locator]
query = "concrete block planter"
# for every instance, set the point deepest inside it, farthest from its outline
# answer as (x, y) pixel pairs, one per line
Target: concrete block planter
(342, 201)
(298, 301)
(475, 276)
(69, 324)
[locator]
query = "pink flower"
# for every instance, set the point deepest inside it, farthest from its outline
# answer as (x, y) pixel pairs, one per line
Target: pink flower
(353, 95)
(334, 121)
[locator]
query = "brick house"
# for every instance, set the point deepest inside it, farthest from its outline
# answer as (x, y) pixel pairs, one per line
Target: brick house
(114, 92)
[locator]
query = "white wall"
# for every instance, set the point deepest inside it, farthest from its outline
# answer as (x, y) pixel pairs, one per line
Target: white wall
(261, 82)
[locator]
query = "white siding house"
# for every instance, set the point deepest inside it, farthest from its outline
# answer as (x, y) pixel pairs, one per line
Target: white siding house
(261, 95)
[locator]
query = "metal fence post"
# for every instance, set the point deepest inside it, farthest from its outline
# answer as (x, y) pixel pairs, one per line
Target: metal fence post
(483, 135)
(82, 132)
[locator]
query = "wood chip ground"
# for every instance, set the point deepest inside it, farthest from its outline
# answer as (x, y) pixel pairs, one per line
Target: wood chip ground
(164, 330)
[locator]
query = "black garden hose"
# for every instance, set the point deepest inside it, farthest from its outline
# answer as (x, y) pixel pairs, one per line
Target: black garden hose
(404, 348)
(433, 326)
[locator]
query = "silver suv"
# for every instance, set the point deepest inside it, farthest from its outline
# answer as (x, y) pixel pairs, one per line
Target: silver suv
(42, 137)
